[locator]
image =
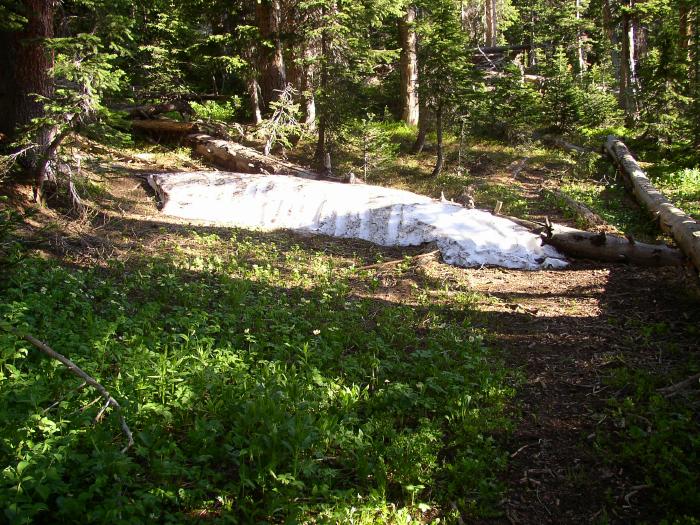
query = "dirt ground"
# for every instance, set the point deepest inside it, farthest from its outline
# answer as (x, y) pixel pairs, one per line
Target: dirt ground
(565, 331)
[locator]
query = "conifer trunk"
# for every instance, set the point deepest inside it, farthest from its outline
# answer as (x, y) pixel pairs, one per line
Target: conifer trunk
(273, 75)
(25, 65)
(409, 68)
(423, 116)
(491, 23)
(628, 69)
(613, 38)
(579, 42)
(254, 98)
(695, 69)
(307, 85)
(321, 144)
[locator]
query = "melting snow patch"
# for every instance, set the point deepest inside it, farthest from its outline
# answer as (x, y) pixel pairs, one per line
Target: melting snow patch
(384, 216)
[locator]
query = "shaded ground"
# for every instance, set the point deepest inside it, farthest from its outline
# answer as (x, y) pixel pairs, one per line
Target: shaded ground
(566, 332)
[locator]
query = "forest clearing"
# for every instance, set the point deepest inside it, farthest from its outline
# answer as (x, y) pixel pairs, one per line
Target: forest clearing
(353, 261)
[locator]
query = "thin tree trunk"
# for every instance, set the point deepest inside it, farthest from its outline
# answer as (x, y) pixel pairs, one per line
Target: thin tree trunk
(440, 153)
(579, 42)
(307, 85)
(613, 39)
(695, 81)
(409, 68)
(532, 55)
(321, 144)
(254, 97)
(491, 23)
(423, 124)
(628, 71)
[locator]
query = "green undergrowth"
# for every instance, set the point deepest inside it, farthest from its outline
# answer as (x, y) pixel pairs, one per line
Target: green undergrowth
(263, 383)
(613, 204)
(682, 187)
(657, 440)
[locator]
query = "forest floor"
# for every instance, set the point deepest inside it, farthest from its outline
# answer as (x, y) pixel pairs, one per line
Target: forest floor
(586, 347)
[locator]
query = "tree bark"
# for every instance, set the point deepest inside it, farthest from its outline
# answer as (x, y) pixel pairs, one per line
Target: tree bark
(254, 99)
(684, 229)
(307, 85)
(695, 72)
(409, 68)
(321, 144)
(25, 64)
(272, 68)
(579, 42)
(491, 22)
(423, 125)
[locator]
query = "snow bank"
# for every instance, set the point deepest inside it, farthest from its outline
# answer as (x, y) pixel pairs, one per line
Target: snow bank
(384, 216)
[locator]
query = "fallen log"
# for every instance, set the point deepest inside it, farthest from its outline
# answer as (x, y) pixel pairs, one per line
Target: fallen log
(684, 229)
(602, 246)
(164, 126)
(559, 142)
(150, 111)
(584, 212)
(236, 157)
(610, 248)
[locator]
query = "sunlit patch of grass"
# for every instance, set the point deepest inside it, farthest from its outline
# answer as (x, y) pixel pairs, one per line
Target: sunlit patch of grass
(614, 205)
(682, 187)
(257, 381)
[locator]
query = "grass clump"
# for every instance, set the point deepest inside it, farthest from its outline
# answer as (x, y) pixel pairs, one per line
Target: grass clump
(260, 388)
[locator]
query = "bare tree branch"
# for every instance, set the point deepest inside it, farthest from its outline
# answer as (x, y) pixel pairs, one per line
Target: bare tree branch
(75, 369)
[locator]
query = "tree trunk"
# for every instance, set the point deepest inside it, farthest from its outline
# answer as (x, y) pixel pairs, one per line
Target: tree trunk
(25, 64)
(613, 38)
(409, 68)
(695, 72)
(683, 29)
(254, 98)
(321, 144)
(307, 85)
(683, 228)
(273, 74)
(440, 161)
(628, 69)
(423, 124)
(491, 23)
(579, 42)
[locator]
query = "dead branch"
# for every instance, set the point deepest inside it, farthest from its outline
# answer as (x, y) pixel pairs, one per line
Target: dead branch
(76, 370)
(399, 261)
(584, 212)
(674, 389)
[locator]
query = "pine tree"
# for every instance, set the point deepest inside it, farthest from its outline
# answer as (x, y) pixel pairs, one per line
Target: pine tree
(444, 67)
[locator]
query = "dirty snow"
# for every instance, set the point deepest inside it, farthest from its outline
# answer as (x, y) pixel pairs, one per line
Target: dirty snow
(384, 216)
